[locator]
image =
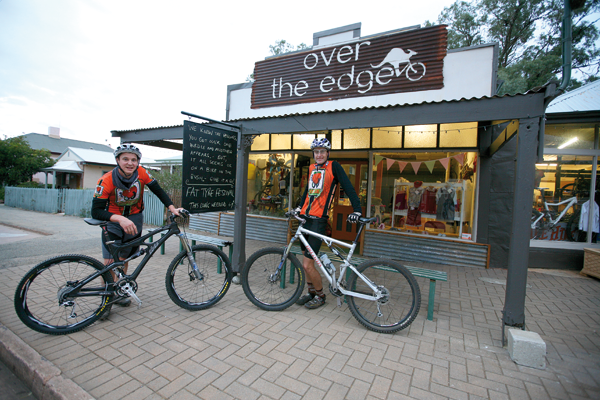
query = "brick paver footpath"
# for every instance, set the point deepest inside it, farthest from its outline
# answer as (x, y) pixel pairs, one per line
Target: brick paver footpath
(236, 351)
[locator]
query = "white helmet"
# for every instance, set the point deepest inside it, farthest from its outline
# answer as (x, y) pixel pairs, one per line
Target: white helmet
(320, 142)
(128, 148)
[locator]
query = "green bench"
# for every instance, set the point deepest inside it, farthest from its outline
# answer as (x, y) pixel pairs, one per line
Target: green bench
(220, 243)
(430, 274)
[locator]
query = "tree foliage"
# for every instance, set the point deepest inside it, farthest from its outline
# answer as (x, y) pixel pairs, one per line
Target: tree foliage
(167, 180)
(528, 33)
(18, 161)
(280, 47)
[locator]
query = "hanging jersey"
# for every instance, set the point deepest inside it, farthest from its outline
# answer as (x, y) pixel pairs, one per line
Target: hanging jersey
(123, 202)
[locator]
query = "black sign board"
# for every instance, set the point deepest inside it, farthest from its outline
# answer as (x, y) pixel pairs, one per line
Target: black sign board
(209, 156)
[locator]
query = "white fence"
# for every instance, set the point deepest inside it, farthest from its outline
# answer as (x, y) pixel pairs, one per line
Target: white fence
(76, 202)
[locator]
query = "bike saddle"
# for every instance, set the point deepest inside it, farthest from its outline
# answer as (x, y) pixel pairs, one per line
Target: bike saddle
(95, 222)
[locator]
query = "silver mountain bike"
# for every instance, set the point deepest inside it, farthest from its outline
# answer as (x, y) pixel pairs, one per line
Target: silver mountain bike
(381, 294)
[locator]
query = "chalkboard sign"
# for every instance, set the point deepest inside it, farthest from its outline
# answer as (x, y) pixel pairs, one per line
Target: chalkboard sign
(209, 156)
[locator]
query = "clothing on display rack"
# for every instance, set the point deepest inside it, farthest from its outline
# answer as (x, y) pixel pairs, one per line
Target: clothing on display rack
(415, 194)
(446, 203)
(429, 201)
(584, 217)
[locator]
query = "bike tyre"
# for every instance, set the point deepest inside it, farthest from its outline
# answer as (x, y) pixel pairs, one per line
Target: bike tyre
(36, 301)
(573, 233)
(191, 294)
(412, 71)
(400, 309)
(258, 287)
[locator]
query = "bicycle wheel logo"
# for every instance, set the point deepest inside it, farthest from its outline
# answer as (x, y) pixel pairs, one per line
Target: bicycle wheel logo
(397, 56)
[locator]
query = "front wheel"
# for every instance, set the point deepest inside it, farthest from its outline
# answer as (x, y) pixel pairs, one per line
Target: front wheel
(45, 302)
(270, 282)
(197, 290)
(401, 299)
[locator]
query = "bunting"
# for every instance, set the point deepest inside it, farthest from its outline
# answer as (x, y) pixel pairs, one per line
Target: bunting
(416, 165)
(430, 165)
(460, 158)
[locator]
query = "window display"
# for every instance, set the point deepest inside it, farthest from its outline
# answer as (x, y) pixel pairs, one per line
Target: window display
(268, 183)
(561, 202)
(424, 193)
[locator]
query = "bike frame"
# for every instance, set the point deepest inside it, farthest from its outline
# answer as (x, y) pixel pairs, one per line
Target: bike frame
(171, 229)
(546, 212)
(335, 284)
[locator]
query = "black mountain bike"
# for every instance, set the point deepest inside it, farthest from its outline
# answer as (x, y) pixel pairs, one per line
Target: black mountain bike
(67, 293)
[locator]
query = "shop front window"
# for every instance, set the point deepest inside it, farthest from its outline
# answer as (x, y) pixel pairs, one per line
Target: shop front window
(569, 136)
(424, 193)
(561, 201)
(268, 183)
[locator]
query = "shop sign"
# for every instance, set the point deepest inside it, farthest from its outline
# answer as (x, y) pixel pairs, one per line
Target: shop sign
(403, 62)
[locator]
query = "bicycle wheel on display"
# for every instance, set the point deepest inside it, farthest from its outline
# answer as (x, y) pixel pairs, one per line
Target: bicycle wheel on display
(38, 296)
(400, 305)
(268, 289)
(573, 232)
(191, 293)
(415, 71)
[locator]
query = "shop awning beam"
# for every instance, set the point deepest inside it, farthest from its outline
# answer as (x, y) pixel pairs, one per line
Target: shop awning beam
(495, 108)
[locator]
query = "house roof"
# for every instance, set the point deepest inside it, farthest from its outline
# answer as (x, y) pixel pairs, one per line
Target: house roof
(91, 156)
(98, 157)
(64, 166)
(585, 98)
(37, 141)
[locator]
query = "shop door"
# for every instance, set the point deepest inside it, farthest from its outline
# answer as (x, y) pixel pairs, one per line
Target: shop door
(340, 228)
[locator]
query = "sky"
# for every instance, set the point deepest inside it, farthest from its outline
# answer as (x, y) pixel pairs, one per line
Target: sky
(90, 67)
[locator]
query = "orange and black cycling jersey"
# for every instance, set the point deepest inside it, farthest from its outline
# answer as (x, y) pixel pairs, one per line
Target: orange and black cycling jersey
(109, 199)
(319, 192)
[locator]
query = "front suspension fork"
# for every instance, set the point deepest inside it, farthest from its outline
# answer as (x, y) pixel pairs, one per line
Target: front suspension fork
(184, 242)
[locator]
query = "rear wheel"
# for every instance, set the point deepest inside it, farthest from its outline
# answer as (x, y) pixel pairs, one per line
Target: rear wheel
(194, 291)
(269, 287)
(573, 232)
(401, 302)
(45, 302)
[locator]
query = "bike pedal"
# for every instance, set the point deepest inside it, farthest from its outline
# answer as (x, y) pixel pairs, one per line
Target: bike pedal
(339, 301)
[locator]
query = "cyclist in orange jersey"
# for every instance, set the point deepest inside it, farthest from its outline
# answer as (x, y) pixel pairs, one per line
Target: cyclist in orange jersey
(323, 177)
(119, 199)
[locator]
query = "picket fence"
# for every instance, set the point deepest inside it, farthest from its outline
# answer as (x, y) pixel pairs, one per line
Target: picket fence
(76, 202)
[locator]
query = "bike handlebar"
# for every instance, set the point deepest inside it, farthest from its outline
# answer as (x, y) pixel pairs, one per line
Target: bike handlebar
(183, 213)
(361, 220)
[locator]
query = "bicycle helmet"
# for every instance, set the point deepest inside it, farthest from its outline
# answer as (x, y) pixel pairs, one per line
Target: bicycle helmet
(320, 142)
(127, 148)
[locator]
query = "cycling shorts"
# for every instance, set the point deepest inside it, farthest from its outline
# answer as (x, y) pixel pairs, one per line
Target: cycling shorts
(115, 232)
(318, 225)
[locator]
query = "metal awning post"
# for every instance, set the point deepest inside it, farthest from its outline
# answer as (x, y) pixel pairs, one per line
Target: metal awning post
(518, 256)
(241, 199)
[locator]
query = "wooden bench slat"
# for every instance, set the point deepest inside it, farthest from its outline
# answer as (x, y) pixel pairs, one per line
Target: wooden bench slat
(430, 274)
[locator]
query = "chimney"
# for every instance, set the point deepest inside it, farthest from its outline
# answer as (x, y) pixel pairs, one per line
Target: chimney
(54, 132)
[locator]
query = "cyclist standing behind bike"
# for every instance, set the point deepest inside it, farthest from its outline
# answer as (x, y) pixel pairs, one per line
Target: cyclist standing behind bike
(119, 199)
(323, 177)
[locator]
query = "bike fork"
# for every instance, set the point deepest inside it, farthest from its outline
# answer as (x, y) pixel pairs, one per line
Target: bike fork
(197, 274)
